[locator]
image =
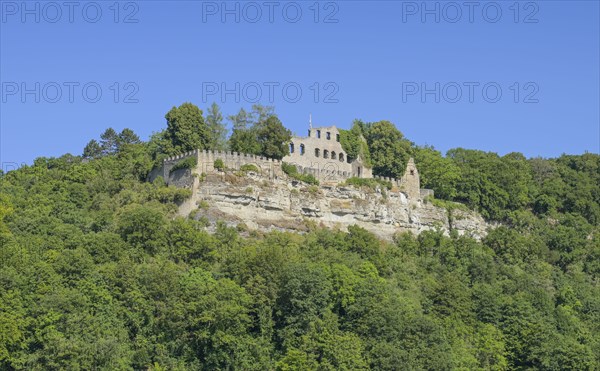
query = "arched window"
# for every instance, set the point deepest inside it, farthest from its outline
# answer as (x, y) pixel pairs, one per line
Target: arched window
(317, 152)
(328, 136)
(319, 134)
(337, 137)
(301, 149)
(325, 153)
(333, 156)
(291, 147)
(341, 157)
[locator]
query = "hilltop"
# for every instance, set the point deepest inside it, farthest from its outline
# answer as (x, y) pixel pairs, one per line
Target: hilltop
(103, 267)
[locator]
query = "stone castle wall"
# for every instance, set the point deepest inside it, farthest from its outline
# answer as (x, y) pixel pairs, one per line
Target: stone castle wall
(267, 167)
(326, 171)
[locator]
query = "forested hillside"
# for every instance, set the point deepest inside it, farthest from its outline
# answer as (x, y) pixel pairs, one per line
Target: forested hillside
(96, 272)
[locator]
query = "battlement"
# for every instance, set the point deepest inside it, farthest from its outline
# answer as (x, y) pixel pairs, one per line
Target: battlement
(205, 163)
(332, 171)
(224, 155)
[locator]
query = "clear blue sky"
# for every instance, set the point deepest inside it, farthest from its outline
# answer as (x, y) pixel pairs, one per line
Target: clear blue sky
(377, 57)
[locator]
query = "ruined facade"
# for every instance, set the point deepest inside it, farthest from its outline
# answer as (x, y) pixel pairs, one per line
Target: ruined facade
(321, 153)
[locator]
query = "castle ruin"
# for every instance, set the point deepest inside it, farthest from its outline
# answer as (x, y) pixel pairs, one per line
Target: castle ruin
(319, 154)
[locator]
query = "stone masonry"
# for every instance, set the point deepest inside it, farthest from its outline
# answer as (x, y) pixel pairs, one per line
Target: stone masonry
(319, 154)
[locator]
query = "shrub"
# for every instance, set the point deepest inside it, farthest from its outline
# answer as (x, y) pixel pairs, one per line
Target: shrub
(219, 164)
(289, 169)
(370, 183)
(171, 194)
(186, 163)
(292, 172)
(249, 167)
(308, 178)
(448, 205)
(313, 190)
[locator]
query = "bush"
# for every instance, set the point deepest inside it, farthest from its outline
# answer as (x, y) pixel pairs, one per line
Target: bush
(313, 190)
(292, 172)
(219, 164)
(289, 169)
(171, 195)
(307, 178)
(186, 163)
(448, 205)
(249, 167)
(370, 183)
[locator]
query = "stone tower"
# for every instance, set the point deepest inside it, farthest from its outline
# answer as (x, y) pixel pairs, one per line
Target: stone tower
(411, 183)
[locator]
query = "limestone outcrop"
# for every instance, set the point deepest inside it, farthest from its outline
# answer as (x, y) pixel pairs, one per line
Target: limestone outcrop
(282, 204)
(267, 199)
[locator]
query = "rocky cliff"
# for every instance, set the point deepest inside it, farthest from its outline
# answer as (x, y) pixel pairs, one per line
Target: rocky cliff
(281, 204)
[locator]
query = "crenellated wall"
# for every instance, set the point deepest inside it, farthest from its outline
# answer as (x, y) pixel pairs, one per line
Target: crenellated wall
(326, 172)
(268, 167)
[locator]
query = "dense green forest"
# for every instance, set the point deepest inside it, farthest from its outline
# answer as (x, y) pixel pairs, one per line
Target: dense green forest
(96, 272)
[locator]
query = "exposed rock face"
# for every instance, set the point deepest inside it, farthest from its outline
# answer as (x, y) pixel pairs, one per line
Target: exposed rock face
(283, 205)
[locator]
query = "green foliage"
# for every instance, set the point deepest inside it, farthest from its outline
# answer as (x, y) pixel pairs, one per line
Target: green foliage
(242, 120)
(371, 183)
(438, 173)
(389, 149)
(92, 149)
(354, 144)
(186, 163)
(98, 272)
(292, 172)
(448, 205)
(216, 128)
(249, 167)
(219, 164)
(127, 137)
(492, 184)
(266, 137)
(244, 141)
(274, 138)
(141, 226)
(110, 143)
(186, 130)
